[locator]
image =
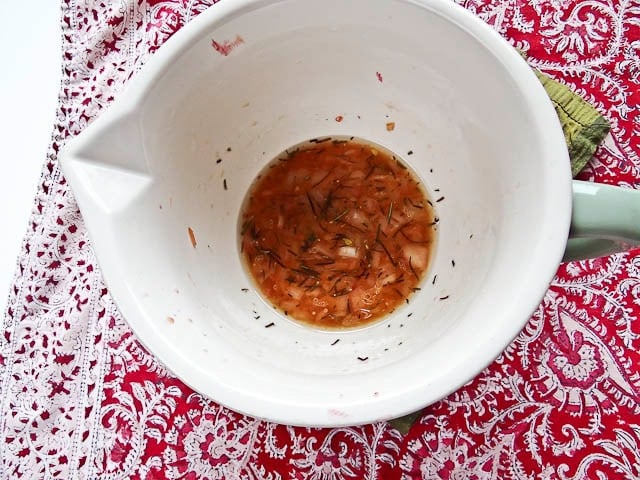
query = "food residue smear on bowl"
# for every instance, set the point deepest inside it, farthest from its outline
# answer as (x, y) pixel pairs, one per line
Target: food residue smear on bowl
(337, 232)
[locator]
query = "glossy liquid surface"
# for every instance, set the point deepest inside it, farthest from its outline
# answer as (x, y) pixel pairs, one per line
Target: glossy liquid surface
(337, 233)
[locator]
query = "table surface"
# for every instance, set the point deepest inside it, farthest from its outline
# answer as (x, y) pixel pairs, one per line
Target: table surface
(82, 398)
(29, 87)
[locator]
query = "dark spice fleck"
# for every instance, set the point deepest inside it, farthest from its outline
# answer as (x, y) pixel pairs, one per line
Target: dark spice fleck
(401, 325)
(444, 298)
(335, 341)
(228, 149)
(436, 189)
(431, 170)
(399, 343)
(416, 289)
(363, 359)
(257, 317)
(245, 290)
(269, 325)
(410, 152)
(409, 314)
(453, 263)
(219, 160)
(470, 236)
(435, 277)
(224, 184)
(439, 200)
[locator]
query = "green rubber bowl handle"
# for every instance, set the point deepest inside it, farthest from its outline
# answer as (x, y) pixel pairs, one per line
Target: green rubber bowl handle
(605, 220)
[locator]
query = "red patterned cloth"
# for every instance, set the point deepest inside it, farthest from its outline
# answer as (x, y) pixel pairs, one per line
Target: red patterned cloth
(82, 399)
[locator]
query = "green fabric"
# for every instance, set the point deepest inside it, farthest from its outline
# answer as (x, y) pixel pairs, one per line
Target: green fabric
(403, 424)
(584, 129)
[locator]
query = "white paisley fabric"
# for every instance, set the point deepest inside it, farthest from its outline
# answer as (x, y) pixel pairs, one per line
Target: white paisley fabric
(82, 399)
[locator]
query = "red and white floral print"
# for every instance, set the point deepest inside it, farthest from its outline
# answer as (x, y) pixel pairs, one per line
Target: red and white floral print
(82, 399)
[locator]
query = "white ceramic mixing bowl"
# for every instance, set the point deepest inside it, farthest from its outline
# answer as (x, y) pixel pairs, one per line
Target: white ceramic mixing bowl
(247, 79)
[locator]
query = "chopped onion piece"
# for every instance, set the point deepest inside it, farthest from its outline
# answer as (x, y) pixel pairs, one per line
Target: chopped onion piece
(348, 251)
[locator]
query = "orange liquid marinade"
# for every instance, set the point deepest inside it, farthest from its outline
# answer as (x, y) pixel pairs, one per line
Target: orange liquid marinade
(337, 233)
